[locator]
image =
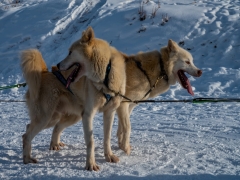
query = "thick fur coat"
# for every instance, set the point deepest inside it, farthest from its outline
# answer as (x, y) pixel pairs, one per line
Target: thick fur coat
(50, 104)
(175, 61)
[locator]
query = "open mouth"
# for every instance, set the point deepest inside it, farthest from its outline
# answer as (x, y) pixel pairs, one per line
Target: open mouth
(73, 74)
(185, 82)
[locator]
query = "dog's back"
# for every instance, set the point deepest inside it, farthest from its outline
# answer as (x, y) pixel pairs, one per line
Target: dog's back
(33, 66)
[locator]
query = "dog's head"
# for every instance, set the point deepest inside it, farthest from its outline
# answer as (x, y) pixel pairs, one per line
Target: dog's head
(181, 61)
(91, 53)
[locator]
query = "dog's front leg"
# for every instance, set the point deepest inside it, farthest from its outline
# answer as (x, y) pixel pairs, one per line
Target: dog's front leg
(88, 136)
(108, 117)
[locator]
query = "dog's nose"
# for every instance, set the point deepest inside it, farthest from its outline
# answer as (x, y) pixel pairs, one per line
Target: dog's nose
(58, 65)
(199, 73)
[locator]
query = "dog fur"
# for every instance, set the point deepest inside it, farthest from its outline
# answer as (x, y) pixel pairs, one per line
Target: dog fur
(50, 104)
(174, 59)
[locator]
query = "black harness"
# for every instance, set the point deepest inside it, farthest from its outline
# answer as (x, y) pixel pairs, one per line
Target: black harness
(71, 77)
(60, 77)
(106, 80)
(162, 75)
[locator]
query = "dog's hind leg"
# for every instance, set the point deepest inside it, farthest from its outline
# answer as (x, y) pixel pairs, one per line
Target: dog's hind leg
(108, 117)
(124, 127)
(131, 107)
(65, 121)
(32, 130)
(120, 123)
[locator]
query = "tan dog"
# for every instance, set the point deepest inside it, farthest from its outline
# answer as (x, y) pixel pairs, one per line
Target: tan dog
(157, 71)
(145, 71)
(51, 104)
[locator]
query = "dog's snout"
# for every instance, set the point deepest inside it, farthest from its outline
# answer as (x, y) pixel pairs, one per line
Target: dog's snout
(58, 65)
(199, 73)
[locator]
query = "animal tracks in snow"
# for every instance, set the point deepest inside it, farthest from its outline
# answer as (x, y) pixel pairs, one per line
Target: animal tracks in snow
(215, 23)
(218, 28)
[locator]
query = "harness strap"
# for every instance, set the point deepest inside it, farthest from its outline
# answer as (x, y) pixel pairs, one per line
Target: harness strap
(163, 75)
(153, 87)
(139, 65)
(105, 82)
(108, 69)
(125, 97)
(108, 97)
(60, 77)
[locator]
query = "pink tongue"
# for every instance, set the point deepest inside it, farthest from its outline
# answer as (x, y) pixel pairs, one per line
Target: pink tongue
(189, 88)
(185, 82)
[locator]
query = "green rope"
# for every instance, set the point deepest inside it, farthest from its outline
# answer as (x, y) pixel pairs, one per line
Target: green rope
(206, 100)
(196, 100)
(13, 86)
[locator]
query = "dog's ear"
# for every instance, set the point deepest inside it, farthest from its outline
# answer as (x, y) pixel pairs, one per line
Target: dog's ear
(87, 35)
(172, 46)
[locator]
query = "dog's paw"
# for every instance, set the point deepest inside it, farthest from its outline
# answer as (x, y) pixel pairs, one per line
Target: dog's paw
(27, 160)
(56, 146)
(61, 144)
(111, 158)
(92, 167)
(126, 149)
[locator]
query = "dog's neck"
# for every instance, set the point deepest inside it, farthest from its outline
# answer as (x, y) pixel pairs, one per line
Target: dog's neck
(168, 66)
(154, 67)
(163, 73)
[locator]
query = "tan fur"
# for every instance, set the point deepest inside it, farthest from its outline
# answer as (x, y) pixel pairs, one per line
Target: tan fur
(32, 59)
(51, 104)
(84, 51)
(174, 59)
(137, 84)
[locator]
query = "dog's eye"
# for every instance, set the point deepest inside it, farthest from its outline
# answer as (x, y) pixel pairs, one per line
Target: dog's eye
(70, 52)
(188, 62)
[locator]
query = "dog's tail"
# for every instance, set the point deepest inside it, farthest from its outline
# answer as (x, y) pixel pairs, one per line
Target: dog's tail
(33, 66)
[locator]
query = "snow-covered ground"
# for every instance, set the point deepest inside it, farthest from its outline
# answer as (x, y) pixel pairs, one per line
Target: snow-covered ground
(169, 140)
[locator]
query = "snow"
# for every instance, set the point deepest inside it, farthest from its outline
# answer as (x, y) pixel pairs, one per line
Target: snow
(169, 140)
